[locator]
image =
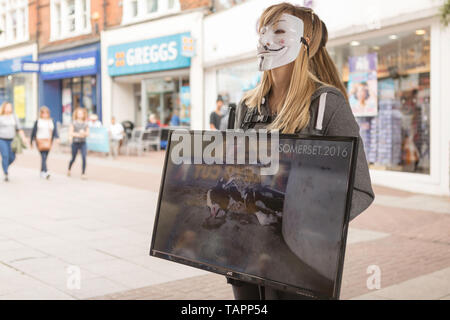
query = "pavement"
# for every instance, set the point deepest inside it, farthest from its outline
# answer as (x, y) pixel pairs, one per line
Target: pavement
(67, 238)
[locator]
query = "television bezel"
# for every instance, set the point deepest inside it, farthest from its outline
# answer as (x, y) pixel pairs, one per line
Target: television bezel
(241, 276)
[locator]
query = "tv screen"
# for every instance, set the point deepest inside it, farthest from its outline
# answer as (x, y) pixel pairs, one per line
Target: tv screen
(285, 227)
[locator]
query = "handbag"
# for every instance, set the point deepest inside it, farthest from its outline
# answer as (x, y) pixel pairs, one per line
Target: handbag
(44, 144)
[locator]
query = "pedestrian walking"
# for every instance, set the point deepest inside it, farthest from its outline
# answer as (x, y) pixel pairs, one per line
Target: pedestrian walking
(300, 92)
(78, 132)
(116, 132)
(44, 133)
(10, 130)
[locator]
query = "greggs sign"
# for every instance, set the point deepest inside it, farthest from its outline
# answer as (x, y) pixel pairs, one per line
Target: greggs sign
(164, 53)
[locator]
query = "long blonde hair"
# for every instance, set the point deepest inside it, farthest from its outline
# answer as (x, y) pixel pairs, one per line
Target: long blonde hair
(75, 113)
(294, 113)
(42, 109)
(3, 107)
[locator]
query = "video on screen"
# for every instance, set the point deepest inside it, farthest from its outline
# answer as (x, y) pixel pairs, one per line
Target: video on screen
(285, 228)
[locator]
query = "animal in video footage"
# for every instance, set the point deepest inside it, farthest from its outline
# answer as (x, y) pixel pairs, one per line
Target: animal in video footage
(263, 202)
(266, 203)
(220, 199)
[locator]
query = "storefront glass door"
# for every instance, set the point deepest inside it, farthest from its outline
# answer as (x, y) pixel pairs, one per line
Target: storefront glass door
(168, 98)
(78, 92)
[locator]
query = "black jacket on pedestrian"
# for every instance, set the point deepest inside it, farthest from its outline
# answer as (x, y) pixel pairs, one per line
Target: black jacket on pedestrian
(34, 131)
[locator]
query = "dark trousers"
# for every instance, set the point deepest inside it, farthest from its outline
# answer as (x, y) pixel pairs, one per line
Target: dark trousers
(44, 156)
(82, 147)
(8, 156)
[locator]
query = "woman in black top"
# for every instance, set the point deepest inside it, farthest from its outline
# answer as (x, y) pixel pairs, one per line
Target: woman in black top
(44, 133)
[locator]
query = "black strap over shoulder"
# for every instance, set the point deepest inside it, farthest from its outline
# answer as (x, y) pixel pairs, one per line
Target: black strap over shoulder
(252, 117)
(231, 116)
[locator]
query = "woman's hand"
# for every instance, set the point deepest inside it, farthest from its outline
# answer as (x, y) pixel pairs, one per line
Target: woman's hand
(24, 139)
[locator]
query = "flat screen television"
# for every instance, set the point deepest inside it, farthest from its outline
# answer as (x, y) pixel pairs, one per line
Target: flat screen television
(286, 229)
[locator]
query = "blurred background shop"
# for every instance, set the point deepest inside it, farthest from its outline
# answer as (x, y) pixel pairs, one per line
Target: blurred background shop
(151, 64)
(18, 85)
(18, 67)
(391, 56)
(71, 78)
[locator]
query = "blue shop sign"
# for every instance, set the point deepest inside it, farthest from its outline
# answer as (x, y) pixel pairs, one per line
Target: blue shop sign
(68, 66)
(164, 53)
(18, 65)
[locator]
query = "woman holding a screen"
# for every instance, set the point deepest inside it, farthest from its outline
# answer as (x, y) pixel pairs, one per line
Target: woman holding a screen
(300, 92)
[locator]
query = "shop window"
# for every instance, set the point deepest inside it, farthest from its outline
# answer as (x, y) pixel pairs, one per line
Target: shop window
(17, 89)
(226, 4)
(234, 81)
(85, 15)
(138, 10)
(388, 83)
(69, 18)
(71, 15)
(134, 8)
(78, 92)
(13, 21)
(169, 99)
(152, 6)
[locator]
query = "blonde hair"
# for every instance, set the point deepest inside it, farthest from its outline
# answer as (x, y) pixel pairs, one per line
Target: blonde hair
(75, 113)
(3, 107)
(42, 109)
(294, 111)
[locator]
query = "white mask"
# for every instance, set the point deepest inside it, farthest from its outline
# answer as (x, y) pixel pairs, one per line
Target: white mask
(279, 43)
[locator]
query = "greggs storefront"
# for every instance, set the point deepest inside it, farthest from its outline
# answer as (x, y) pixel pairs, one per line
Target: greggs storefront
(158, 70)
(148, 69)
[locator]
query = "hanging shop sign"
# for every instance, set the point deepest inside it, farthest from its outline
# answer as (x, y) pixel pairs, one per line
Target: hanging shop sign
(18, 65)
(163, 53)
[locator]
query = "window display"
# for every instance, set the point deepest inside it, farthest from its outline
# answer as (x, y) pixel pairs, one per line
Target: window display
(16, 88)
(388, 81)
(234, 81)
(169, 99)
(78, 92)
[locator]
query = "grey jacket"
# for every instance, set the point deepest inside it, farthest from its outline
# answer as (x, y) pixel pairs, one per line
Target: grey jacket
(337, 120)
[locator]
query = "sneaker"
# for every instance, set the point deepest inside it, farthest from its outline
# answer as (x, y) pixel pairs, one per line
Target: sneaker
(47, 175)
(84, 176)
(43, 174)
(68, 173)
(6, 178)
